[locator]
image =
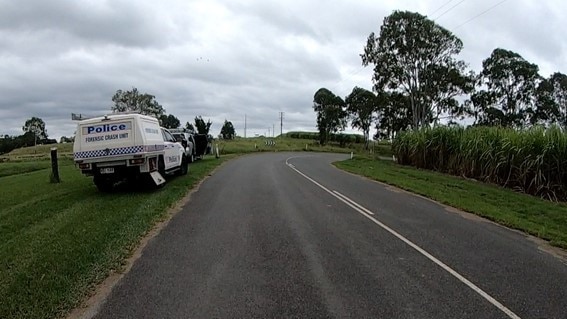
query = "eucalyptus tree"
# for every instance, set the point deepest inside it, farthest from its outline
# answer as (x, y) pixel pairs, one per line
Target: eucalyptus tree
(362, 107)
(415, 57)
(507, 90)
(331, 115)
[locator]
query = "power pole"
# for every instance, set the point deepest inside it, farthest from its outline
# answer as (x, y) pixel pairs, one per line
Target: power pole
(273, 130)
(281, 123)
(244, 125)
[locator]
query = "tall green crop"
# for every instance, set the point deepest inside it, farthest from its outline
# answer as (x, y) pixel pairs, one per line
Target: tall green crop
(533, 161)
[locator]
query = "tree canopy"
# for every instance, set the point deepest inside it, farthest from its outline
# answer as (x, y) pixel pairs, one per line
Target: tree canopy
(169, 121)
(362, 106)
(36, 126)
(189, 126)
(331, 115)
(395, 116)
(227, 130)
(134, 101)
(202, 127)
(415, 57)
(507, 88)
(551, 100)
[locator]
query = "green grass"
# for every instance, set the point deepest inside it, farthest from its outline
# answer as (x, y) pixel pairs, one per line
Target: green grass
(39, 152)
(15, 168)
(287, 144)
(532, 215)
(42, 149)
(57, 241)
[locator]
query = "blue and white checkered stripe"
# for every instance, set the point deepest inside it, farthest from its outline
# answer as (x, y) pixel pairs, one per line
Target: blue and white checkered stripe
(110, 152)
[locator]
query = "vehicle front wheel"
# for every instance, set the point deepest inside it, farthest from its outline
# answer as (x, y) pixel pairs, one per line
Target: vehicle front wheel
(184, 166)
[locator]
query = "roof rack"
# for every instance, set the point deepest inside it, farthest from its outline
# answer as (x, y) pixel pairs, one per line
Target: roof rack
(80, 117)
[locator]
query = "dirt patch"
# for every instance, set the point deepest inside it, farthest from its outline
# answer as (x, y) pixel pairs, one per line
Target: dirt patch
(89, 308)
(469, 216)
(544, 246)
(395, 189)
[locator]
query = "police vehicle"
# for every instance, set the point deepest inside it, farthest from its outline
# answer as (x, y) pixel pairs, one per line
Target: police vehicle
(133, 147)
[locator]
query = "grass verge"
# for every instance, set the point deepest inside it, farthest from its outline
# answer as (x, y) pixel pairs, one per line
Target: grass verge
(15, 168)
(532, 215)
(57, 241)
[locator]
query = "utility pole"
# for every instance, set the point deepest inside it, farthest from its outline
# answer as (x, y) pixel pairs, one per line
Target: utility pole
(273, 130)
(244, 125)
(281, 123)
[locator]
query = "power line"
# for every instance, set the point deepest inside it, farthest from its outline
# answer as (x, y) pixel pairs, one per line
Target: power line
(478, 15)
(441, 7)
(348, 77)
(451, 8)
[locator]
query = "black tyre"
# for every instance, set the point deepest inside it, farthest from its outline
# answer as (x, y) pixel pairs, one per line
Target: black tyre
(161, 166)
(105, 185)
(184, 166)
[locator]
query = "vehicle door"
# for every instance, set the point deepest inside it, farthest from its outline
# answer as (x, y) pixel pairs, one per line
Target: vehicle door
(172, 150)
(181, 138)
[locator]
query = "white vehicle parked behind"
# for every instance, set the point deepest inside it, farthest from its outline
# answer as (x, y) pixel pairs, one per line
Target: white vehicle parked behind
(185, 137)
(115, 147)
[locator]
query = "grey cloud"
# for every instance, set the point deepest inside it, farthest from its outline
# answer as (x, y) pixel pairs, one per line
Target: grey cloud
(279, 16)
(118, 22)
(222, 60)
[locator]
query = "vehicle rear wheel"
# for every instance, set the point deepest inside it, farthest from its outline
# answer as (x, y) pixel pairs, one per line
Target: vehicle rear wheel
(161, 166)
(103, 184)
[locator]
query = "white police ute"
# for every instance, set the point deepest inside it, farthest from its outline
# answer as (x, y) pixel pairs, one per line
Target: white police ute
(133, 147)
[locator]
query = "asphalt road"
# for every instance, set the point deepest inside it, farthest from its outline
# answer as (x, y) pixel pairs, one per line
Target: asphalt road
(263, 239)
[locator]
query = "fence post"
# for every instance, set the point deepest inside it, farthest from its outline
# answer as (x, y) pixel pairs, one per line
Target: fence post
(54, 178)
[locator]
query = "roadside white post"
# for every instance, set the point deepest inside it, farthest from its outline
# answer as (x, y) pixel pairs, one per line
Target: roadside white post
(351, 155)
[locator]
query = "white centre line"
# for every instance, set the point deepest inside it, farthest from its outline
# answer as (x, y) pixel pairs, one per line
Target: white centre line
(351, 202)
(366, 213)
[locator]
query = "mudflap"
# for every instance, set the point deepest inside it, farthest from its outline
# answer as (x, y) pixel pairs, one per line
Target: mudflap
(157, 178)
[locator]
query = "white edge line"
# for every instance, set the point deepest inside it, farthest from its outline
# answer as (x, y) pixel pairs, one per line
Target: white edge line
(438, 262)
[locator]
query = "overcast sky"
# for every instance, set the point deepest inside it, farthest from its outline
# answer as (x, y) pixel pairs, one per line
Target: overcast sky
(224, 59)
